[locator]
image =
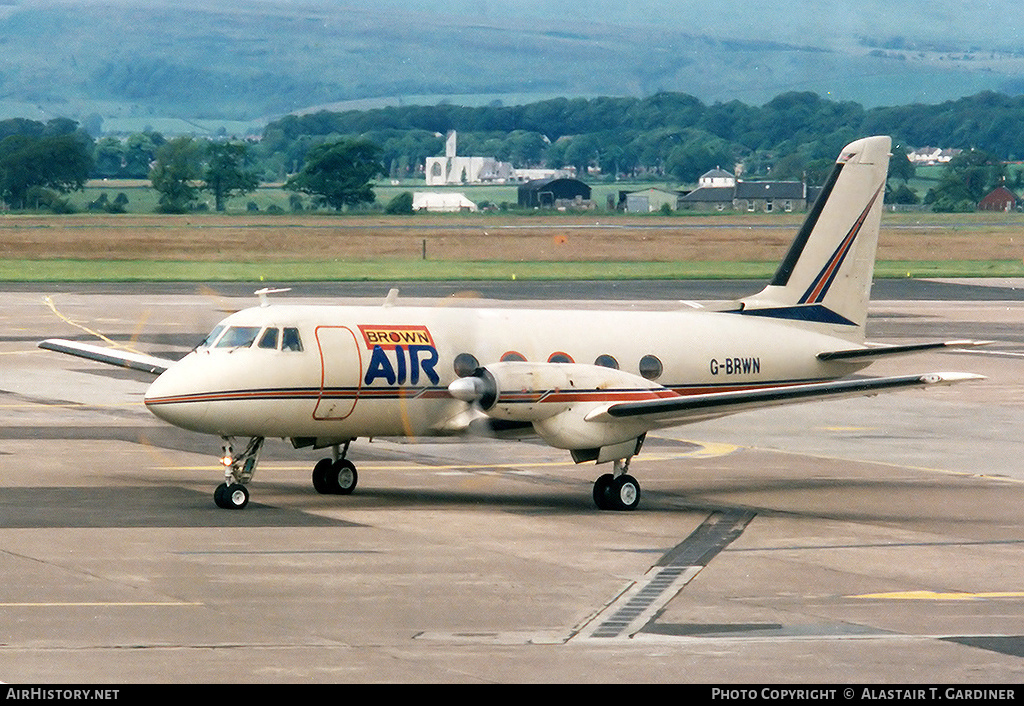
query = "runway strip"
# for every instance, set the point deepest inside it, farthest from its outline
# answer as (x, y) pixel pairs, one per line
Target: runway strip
(637, 605)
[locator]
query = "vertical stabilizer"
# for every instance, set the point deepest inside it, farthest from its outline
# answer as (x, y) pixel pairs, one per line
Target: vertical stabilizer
(826, 276)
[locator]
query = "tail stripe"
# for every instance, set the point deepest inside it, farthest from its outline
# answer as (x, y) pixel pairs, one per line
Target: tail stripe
(815, 294)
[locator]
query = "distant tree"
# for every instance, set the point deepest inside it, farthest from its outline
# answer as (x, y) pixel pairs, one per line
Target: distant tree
(968, 177)
(140, 153)
(792, 167)
(174, 175)
(581, 152)
(20, 126)
(818, 171)
(401, 204)
(902, 194)
(59, 163)
(900, 166)
(59, 126)
(340, 173)
(687, 162)
(109, 156)
(225, 174)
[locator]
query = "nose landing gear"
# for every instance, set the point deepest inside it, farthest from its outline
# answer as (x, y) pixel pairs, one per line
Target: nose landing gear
(238, 471)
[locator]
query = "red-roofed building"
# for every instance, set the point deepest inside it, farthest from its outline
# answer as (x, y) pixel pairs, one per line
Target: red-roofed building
(1000, 199)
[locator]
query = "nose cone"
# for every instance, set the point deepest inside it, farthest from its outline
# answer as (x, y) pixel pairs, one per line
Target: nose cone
(180, 396)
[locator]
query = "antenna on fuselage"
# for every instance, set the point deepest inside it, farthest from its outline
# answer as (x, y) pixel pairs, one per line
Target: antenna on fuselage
(262, 294)
(391, 298)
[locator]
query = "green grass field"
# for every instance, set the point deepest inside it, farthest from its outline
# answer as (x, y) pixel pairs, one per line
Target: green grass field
(420, 270)
(142, 199)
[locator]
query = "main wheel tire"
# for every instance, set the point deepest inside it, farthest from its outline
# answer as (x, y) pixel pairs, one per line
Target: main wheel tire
(602, 491)
(219, 496)
(343, 477)
(322, 476)
(625, 493)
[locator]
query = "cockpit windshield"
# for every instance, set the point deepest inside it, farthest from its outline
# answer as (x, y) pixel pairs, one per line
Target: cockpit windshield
(238, 337)
(269, 338)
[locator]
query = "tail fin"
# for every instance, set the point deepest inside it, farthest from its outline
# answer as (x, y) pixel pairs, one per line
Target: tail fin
(826, 275)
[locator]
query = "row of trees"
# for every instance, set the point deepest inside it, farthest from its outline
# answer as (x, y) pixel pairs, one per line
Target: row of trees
(668, 134)
(338, 174)
(39, 162)
(335, 156)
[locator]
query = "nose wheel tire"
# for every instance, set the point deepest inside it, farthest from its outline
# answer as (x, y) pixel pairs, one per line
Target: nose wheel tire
(231, 497)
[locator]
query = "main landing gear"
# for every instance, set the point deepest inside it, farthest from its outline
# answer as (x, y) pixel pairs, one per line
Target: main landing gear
(335, 475)
(331, 476)
(618, 490)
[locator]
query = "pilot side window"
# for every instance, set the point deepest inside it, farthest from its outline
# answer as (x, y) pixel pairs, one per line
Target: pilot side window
(212, 338)
(269, 339)
(238, 337)
(290, 340)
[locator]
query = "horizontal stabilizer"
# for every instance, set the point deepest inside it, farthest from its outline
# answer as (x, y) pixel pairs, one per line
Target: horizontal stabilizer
(110, 356)
(882, 351)
(693, 408)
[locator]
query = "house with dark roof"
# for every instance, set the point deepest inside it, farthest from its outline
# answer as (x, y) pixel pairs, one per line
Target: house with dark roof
(749, 196)
(708, 198)
(769, 196)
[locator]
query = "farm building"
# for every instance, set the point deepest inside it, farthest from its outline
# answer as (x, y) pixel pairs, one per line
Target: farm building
(648, 200)
(1000, 199)
(555, 193)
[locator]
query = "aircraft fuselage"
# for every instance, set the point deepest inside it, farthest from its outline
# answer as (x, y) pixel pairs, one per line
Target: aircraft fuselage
(357, 362)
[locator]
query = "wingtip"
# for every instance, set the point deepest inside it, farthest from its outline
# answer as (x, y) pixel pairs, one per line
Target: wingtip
(968, 343)
(950, 378)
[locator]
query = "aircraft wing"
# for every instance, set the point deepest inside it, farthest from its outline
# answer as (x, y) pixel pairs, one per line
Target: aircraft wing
(879, 351)
(693, 408)
(111, 356)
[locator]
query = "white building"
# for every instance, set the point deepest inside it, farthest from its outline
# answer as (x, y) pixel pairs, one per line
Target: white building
(452, 169)
(932, 155)
(441, 202)
(716, 177)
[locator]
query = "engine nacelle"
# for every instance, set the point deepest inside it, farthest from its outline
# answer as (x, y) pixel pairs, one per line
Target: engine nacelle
(530, 392)
(556, 398)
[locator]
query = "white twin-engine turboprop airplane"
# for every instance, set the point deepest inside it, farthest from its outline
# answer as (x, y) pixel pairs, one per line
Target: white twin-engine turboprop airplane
(591, 382)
